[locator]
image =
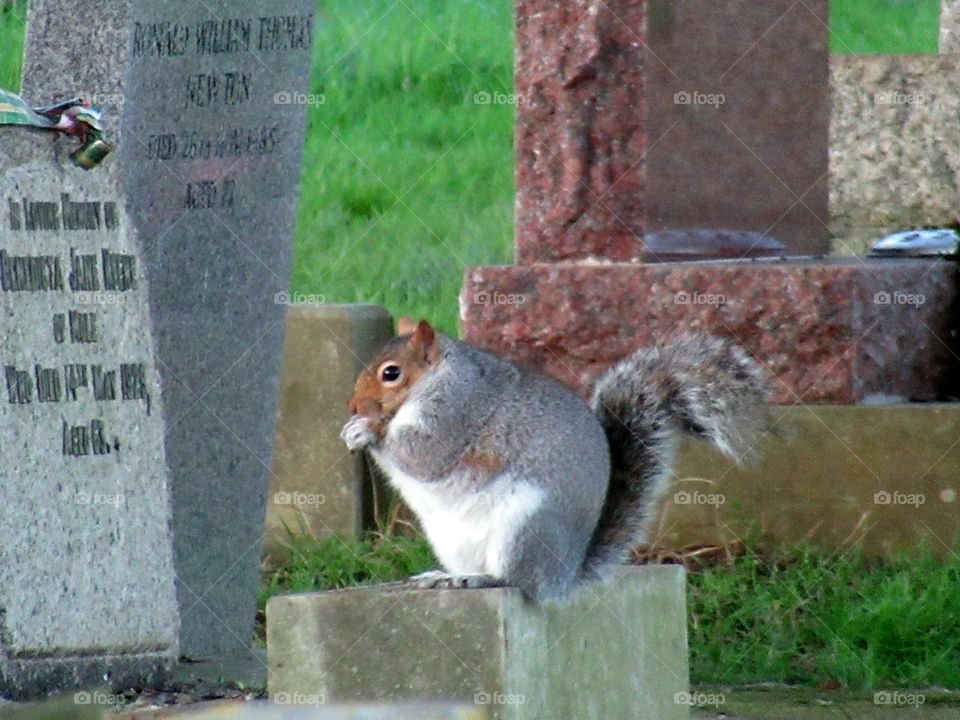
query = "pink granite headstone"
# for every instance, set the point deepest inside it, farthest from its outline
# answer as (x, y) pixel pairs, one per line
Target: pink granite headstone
(647, 115)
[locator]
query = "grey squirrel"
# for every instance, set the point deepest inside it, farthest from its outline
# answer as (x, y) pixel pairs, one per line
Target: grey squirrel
(514, 478)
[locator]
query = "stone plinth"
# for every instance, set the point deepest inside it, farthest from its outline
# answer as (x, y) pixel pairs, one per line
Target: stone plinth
(308, 708)
(894, 155)
(617, 651)
(886, 478)
(837, 331)
(636, 116)
(317, 486)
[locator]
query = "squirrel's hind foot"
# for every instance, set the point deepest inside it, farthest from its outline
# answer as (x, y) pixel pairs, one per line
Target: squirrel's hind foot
(437, 579)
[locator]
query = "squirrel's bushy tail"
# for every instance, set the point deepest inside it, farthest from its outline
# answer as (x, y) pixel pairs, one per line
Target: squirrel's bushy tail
(704, 385)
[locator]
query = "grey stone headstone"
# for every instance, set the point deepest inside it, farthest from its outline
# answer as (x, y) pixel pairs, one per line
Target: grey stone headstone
(213, 119)
(950, 26)
(86, 564)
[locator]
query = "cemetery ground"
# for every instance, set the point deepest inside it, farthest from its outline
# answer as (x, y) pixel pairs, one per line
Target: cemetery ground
(407, 179)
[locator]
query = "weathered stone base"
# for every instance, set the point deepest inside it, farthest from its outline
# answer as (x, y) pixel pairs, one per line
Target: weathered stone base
(317, 487)
(617, 651)
(24, 678)
(894, 159)
(884, 478)
(839, 330)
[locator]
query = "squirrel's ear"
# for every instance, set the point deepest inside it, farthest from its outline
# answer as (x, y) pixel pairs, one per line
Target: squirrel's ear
(424, 334)
(424, 339)
(405, 325)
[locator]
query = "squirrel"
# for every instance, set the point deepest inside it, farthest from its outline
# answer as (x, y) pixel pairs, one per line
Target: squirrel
(515, 479)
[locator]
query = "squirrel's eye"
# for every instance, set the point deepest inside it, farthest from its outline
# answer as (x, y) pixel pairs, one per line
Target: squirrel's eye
(390, 373)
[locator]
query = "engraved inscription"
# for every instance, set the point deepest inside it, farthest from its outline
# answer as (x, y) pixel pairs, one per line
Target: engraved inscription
(30, 272)
(100, 275)
(207, 194)
(228, 88)
(66, 214)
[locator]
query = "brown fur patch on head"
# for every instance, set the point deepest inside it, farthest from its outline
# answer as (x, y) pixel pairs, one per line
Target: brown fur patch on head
(413, 353)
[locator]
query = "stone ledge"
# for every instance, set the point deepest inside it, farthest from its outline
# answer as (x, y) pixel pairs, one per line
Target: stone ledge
(616, 651)
(814, 323)
(886, 478)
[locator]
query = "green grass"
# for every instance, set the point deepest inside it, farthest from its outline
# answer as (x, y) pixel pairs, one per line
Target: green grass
(12, 25)
(810, 619)
(406, 180)
(893, 27)
(330, 563)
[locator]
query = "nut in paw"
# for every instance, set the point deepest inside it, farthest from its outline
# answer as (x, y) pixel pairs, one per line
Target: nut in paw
(357, 433)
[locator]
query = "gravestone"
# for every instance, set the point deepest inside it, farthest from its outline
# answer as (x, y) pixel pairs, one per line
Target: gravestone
(211, 133)
(86, 567)
(894, 162)
(950, 26)
(638, 117)
(319, 488)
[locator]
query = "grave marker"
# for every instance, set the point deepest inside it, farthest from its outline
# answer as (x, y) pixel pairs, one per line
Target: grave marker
(86, 565)
(639, 117)
(213, 101)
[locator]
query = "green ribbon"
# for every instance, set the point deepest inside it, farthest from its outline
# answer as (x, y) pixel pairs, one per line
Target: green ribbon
(75, 117)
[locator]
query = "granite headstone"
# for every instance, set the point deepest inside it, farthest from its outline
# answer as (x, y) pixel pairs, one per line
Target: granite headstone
(213, 99)
(644, 116)
(86, 563)
(949, 26)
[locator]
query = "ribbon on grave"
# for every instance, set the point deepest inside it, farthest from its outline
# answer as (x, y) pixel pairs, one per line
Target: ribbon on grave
(76, 118)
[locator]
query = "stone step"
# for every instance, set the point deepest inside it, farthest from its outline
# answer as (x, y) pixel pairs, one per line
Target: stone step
(617, 650)
(886, 478)
(831, 331)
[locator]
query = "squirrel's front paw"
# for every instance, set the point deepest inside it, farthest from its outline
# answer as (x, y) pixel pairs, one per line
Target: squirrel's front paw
(447, 581)
(358, 433)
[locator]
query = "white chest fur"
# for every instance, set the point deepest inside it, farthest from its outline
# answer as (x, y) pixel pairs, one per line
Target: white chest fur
(471, 530)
